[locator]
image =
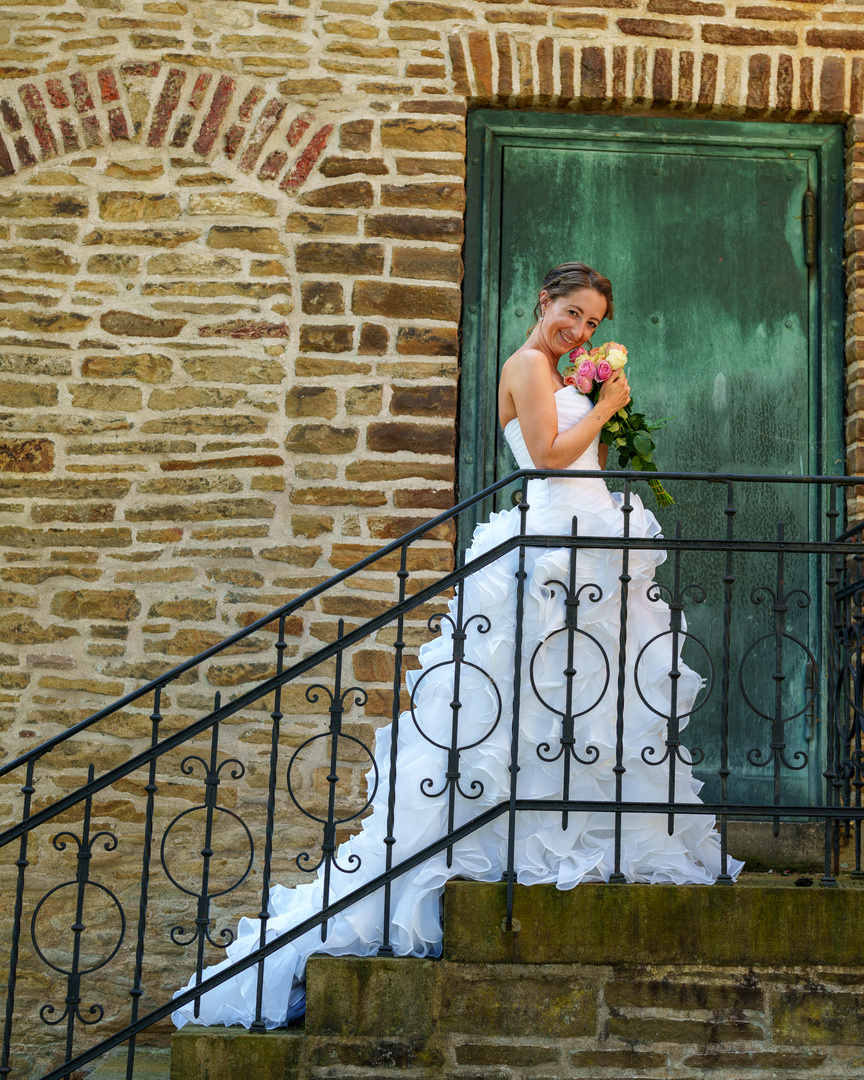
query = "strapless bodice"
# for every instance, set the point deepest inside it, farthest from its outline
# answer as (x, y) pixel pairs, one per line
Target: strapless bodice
(572, 407)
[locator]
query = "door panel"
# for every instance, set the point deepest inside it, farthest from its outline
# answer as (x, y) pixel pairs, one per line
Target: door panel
(701, 235)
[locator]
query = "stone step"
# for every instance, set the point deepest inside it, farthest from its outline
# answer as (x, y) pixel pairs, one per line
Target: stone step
(151, 1063)
(746, 924)
(233, 1053)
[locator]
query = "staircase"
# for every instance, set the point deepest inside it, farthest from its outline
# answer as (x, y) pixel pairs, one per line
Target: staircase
(602, 981)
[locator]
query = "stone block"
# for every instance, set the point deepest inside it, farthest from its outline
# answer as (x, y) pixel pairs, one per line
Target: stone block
(684, 996)
(504, 1053)
(353, 996)
(119, 604)
(320, 439)
(817, 1018)
(667, 1030)
(405, 301)
(322, 298)
(320, 257)
(415, 438)
(246, 238)
(216, 1053)
(26, 455)
(318, 337)
(609, 924)
(350, 196)
(517, 1000)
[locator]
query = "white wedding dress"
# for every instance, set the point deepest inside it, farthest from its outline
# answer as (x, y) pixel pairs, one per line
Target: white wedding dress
(545, 851)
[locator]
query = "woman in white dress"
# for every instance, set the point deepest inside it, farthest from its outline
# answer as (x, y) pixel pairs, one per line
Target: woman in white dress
(549, 425)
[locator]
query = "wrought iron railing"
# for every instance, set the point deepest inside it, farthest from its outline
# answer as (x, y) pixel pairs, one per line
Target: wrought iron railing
(773, 590)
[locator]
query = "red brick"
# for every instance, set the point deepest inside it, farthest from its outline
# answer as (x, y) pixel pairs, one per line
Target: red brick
(81, 92)
(56, 94)
(619, 72)
(248, 103)
(196, 98)
(759, 81)
(708, 80)
(108, 85)
(6, 166)
(832, 85)
(504, 49)
(269, 118)
(298, 128)
(805, 80)
(165, 106)
(856, 92)
(545, 59)
(567, 71)
(593, 72)
(216, 114)
(785, 78)
(480, 50)
(685, 76)
(655, 28)
(661, 83)
(38, 114)
(272, 166)
(233, 138)
(306, 162)
(69, 135)
(92, 131)
(117, 126)
(25, 154)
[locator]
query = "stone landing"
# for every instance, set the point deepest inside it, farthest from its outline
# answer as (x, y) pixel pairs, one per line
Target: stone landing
(602, 982)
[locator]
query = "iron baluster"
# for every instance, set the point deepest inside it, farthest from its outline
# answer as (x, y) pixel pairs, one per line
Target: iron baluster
(212, 771)
(334, 733)
(151, 788)
(837, 576)
(74, 973)
(616, 877)
(22, 863)
(567, 741)
(386, 948)
(724, 877)
(264, 915)
(517, 693)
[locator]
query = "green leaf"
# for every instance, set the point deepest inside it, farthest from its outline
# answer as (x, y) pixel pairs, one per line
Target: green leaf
(636, 464)
(642, 444)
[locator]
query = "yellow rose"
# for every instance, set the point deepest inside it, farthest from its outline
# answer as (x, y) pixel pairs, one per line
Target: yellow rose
(616, 358)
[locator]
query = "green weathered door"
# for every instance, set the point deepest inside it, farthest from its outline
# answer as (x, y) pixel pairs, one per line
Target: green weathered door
(734, 332)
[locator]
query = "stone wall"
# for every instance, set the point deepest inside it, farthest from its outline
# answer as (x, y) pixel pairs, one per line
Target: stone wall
(229, 317)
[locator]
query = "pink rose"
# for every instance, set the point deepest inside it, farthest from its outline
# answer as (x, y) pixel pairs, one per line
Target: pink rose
(586, 370)
(578, 352)
(604, 370)
(569, 380)
(583, 385)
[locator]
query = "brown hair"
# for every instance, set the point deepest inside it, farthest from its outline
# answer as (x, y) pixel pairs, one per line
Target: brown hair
(566, 278)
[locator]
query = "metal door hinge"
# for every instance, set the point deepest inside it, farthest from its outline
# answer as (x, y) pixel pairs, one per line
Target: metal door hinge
(809, 222)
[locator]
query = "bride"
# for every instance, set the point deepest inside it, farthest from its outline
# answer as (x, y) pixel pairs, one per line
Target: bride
(548, 425)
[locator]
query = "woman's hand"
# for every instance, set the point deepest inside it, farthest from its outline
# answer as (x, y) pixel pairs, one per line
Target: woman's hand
(614, 393)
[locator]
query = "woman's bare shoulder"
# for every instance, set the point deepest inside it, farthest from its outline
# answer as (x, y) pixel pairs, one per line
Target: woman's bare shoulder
(524, 362)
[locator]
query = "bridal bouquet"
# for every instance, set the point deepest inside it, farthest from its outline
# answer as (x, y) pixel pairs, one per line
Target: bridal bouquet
(629, 432)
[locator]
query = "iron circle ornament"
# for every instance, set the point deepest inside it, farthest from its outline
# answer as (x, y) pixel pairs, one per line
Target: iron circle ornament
(484, 624)
(372, 788)
(80, 970)
(709, 685)
(814, 691)
(219, 810)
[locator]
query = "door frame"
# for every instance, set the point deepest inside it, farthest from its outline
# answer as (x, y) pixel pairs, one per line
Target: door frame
(490, 131)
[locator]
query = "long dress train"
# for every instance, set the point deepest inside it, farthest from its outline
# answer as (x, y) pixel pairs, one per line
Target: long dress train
(544, 850)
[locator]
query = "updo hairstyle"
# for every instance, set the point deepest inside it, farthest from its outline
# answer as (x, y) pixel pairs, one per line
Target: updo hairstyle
(570, 276)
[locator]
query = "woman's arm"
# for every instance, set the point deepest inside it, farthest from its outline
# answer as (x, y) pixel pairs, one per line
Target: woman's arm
(528, 391)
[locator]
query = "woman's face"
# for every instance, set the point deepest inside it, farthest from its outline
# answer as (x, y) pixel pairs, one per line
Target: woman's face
(569, 321)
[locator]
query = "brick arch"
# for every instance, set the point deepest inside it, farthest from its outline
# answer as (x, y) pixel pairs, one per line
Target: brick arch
(208, 114)
(503, 68)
